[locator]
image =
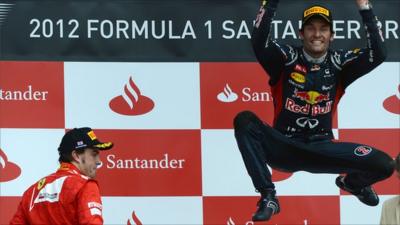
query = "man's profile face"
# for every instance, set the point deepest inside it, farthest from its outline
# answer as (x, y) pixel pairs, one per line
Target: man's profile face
(88, 162)
(316, 35)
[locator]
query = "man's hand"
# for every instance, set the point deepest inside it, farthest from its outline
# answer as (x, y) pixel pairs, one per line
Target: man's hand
(361, 1)
(263, 2)
(363, 4)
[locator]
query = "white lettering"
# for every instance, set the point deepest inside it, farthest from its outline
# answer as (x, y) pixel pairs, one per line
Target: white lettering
(289, 31)
(275, 24)
(226, 28)
(243, 31)
(144, 29)
(188, 31)
(349, 29)
(136, 163)
(160, 29)
(354, 29)
(171, 33)
(106, 29)
(122, 26)
(391, 29)
(122, 29)
(153, 30)
(255, 96)
(338, 29)
(91, 27)
(28, 95)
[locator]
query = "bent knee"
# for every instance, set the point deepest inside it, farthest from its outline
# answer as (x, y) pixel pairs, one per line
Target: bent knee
(386, 166)
(389, 169)
(243, 119)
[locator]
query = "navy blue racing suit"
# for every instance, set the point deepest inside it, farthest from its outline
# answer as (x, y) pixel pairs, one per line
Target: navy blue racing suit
(305, 99)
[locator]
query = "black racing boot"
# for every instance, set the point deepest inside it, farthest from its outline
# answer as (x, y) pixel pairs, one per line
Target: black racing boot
(366, 195)
(267, 206)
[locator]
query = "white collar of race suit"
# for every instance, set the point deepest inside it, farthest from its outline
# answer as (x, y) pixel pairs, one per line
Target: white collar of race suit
(314, 60)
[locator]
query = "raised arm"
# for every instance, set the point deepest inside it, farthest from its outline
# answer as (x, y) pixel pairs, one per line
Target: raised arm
(360, 62)
(269, 53)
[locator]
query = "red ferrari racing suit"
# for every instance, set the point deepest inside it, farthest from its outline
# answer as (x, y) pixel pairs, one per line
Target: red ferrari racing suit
(65, 197)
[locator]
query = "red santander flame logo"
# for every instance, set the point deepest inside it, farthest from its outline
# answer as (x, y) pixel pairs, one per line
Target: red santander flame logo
(135, 220)
(8, 170)
(131, 102)
(392, 104)
(280, 175)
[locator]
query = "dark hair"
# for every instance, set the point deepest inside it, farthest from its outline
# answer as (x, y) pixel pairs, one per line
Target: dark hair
(66, 156)
(397, 163)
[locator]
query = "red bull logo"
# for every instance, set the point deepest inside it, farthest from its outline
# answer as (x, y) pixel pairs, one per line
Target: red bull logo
(307, 108)
(300, 68)
(320, 110)
(311, 97)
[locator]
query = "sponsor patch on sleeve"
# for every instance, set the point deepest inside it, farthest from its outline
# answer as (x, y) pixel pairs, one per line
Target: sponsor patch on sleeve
(95, 208)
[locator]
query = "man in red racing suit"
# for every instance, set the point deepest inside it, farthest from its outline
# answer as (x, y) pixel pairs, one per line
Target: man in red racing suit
(307, 83)
(69, 196)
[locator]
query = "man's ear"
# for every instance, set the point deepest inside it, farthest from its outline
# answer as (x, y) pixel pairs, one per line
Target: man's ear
(75, 156)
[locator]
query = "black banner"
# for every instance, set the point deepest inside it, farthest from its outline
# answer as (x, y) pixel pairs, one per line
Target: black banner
(173, 30)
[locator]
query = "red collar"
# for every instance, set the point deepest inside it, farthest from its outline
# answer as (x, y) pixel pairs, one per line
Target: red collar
(68, 167)
(71, 169)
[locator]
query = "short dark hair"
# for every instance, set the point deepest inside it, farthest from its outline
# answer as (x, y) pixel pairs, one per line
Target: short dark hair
(397, 163)
(66, 156)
